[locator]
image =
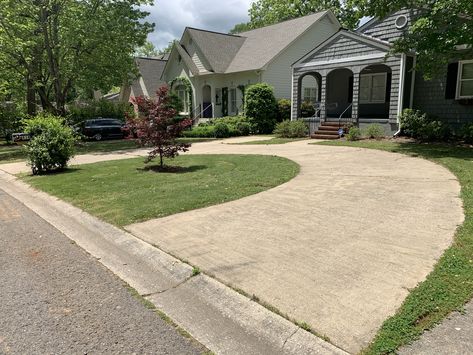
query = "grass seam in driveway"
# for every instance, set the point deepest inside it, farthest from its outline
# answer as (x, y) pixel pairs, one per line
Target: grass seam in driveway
(450, 285)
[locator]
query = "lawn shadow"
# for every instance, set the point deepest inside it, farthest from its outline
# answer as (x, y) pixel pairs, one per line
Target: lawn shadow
(436, 150)
(173, 169)
(64, 171)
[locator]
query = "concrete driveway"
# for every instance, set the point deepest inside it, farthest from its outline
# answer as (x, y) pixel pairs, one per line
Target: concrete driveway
(338, 247)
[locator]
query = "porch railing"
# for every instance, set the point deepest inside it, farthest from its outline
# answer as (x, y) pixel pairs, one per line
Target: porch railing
(348, 119)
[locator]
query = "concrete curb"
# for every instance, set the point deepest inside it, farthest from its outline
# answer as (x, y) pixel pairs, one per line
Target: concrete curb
(223, 320)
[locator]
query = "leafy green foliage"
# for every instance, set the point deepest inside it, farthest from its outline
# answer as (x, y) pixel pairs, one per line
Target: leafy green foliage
(10, 120)
(291, 129)
(221, 128)
(354, 134)
(261, 107)
(98, 108)
(420, 126)
(440, 26)
(240, 27)
(374, 131)
(51, 145)
(61, 47)
(284, 109)
(267, 12)
(147, 50)
(466, 133)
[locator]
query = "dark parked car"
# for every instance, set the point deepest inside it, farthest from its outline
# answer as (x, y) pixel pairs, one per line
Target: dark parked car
(101, 128)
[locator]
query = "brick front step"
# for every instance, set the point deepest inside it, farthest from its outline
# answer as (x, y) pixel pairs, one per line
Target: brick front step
(324, 136)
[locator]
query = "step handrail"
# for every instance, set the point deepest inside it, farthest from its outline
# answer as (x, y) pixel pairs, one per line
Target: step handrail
(341, 116)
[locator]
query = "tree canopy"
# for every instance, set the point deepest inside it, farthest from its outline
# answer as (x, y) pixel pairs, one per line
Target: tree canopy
(268, 12)
(147, 50)
(440, 26)
(59, 47)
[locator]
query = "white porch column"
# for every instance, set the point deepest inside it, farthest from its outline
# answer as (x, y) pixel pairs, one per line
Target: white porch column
(356, 94)
(323, 96)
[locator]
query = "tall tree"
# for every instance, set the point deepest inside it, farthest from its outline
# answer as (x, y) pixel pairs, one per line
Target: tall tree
(147, 50)
(268, 12)
(438, 29)
(240, 27)
(58, 46)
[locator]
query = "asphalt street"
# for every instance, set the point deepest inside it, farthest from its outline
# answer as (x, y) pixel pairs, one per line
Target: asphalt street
(56, 298)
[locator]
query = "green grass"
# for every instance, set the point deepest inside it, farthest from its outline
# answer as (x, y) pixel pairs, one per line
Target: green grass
(123, 192)
(450, 285)
(274, 140)
(14, 153)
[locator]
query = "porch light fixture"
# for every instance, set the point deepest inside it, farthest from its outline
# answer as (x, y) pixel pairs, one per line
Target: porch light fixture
(401, 22)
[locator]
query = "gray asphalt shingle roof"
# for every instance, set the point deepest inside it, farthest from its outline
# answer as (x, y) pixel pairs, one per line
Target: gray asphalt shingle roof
(250, 50)
(150, 74)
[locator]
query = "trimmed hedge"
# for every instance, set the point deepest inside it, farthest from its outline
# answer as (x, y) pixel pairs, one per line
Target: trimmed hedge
(291, 129)
(261, 107)
(221, 128)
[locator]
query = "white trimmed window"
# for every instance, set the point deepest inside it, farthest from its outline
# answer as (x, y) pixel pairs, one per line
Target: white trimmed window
(181, 92)
(373, 88)
(233, 101)
(465, 80)
(310, 95)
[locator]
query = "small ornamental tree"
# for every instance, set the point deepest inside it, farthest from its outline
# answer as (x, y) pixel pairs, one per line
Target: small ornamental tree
(157, 126)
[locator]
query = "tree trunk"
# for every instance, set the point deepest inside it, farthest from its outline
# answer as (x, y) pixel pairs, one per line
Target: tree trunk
(30, 96)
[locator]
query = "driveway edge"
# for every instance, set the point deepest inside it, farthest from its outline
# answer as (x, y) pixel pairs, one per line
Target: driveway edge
(223, 320)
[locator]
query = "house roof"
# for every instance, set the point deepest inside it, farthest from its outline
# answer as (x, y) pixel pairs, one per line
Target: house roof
(218, 48)
(149, 80)
(263, 44)
(251, 50)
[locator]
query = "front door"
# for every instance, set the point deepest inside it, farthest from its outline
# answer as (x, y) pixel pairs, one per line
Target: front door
(207, 102)
(224, 102)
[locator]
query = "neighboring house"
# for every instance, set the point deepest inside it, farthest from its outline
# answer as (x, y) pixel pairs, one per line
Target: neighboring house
(359, 82)
(149, 80)
(210, 70)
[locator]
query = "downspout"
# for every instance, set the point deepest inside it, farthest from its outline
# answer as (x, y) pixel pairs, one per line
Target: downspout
(401, 92)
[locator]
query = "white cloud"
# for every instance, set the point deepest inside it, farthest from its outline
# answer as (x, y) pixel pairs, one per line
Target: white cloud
(172, 16)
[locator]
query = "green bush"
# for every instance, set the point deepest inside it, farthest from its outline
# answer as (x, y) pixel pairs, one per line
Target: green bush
(291, 129)
(243, 128)
(307, 109)
(420, 126)
(51, 145)
(222, 130)
(466, 133)
(200, 132)
(100, 108)
(10, 120)
(261, 107)
(354, 134)
(284, 109)
(374, 131)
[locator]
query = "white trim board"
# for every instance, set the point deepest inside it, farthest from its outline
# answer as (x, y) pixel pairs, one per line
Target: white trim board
(343, 60)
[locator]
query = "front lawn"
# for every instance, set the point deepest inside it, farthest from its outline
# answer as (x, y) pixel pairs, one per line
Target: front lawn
(124, 192)
(450, 285)
(13, 153)
(274, 140)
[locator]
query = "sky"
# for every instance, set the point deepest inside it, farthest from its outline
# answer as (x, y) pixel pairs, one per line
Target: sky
(172, 16)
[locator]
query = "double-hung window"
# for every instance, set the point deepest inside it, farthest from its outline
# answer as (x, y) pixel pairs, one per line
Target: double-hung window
(465, 80)
(310, 95)
(373, 88)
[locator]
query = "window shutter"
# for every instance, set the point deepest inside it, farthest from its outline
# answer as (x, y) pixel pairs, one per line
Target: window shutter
(451, 86)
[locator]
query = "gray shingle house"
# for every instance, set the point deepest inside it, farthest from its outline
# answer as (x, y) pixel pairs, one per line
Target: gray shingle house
(218, 66)
(358, 82)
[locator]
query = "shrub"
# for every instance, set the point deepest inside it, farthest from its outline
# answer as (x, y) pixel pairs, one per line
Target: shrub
(466, 133)
(354, 134)
(222, 130)
(374, 131)
(284, 109)
(51, 145)
(200, 132)
(291, 129)
(420, 126)
(243, 128)
(307, 109)
(261, 107)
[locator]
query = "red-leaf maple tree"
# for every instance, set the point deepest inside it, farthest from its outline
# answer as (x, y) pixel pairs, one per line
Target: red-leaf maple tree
(156, 125)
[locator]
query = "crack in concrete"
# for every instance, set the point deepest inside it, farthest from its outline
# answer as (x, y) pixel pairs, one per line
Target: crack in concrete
(289, 337)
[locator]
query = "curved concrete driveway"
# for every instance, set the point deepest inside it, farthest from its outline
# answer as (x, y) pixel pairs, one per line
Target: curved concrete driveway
(338, 247)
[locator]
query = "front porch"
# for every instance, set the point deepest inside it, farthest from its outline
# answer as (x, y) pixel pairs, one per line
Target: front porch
(352, 89)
